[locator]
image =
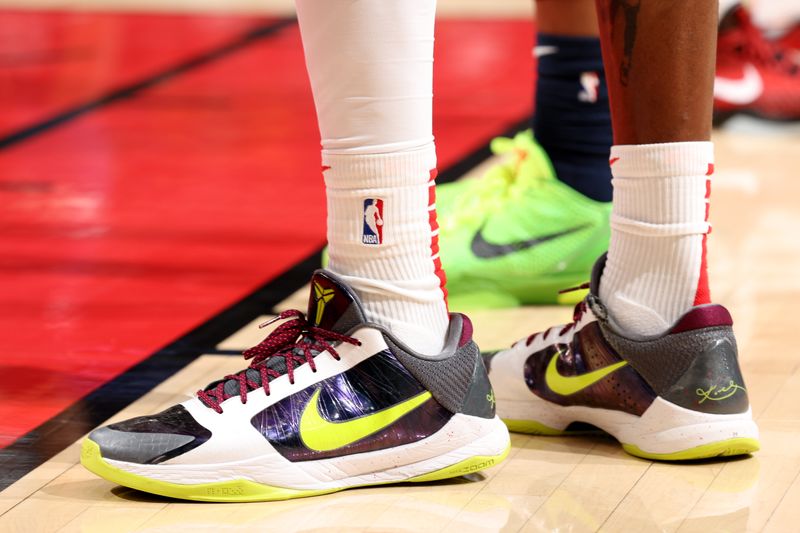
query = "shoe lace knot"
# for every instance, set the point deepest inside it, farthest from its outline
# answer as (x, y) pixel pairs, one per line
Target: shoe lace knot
(296, 341)
(526, 167)
(577, 313)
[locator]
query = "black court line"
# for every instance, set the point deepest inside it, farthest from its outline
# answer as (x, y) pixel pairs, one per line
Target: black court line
(56, 434)
(131, 89)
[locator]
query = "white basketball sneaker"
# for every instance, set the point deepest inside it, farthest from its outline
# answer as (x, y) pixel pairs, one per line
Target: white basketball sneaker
(673, 397)
(328, 403)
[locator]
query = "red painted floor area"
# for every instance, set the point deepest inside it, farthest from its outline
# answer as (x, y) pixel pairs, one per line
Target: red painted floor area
(128, 226)
(52, 60)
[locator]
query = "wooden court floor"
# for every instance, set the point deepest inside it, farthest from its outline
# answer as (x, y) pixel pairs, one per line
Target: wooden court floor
(576, 484)
(547, 483)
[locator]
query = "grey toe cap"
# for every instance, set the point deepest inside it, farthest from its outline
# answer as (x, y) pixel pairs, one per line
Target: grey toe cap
(151, 439)
(134, 447)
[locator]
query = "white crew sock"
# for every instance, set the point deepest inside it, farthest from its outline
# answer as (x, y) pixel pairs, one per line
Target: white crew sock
(371, 70)
(656, 267)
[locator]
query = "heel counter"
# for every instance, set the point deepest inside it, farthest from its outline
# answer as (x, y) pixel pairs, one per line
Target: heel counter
(479, 399)
(713, 382)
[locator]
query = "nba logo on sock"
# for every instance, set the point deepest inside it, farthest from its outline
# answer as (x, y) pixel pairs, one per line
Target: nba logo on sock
(373, 221)
(590, 82)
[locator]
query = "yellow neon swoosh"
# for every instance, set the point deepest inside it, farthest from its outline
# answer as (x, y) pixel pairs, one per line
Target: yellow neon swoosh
(321, 435)
(566, 385)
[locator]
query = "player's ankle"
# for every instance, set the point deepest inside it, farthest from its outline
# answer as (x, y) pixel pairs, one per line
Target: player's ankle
(656, 268)
(383, 239)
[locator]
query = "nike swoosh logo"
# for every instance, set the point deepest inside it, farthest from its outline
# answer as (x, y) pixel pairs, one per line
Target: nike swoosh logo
(487, 250)
(566, 385)
(742, 91)
(321, 435)
(544, 50)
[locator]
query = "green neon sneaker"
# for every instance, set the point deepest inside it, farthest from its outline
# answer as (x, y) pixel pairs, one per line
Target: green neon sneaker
(518, 235)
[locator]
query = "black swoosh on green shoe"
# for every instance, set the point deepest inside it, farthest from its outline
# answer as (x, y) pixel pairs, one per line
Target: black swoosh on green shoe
(487, 250)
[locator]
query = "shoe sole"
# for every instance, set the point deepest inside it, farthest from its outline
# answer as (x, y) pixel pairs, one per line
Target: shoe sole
(243, 490)
(665, 432)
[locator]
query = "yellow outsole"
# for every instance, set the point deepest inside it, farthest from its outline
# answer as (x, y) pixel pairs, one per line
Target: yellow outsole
(531, 428)
(242, 490)
(723, 448)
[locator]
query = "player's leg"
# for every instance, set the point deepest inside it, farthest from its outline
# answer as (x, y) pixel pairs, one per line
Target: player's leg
(376, 382)
(572, 120)
(647, 358)
(535, 222)
(659, 60)
(373, 96)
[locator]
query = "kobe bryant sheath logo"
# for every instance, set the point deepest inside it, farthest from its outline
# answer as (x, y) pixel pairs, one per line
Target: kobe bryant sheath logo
(321, 297)
(373, 222)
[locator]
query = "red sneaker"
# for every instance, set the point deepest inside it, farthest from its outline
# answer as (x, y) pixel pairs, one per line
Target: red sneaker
(754, 76)
(789, 42)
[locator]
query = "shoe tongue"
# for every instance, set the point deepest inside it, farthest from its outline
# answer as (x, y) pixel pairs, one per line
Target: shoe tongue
(597, 273)
(332, 305)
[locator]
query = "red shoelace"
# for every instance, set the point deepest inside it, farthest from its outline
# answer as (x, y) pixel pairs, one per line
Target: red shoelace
(290, 337)
(577, 313)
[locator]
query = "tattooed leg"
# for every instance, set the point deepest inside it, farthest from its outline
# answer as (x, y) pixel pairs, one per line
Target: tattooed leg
(659, 59)
(630, 11)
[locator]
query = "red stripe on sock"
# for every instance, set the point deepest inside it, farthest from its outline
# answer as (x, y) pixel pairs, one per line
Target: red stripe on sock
(613, 160)
(437, 262)
(325, 167)
(703, 294)
(432, 220)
